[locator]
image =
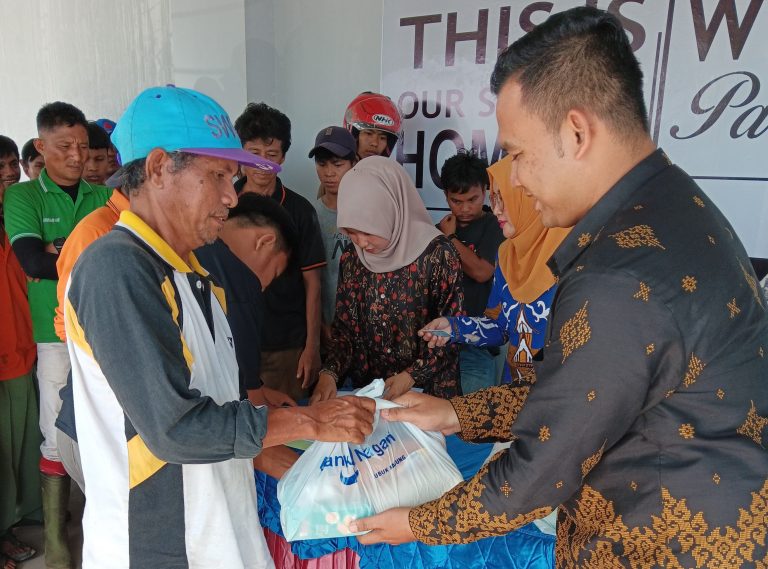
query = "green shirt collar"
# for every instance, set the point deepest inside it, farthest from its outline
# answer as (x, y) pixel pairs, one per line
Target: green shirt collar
(48, 185)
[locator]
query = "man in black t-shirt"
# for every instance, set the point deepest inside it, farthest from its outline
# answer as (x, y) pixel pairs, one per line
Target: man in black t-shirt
(476, 234)
(290, 353)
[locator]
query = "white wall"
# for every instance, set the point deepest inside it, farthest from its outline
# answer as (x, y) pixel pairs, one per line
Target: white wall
(96, 55)
(304, 57)
(320, 56)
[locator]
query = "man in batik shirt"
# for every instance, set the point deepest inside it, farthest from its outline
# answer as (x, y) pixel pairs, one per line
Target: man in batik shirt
(646, 420)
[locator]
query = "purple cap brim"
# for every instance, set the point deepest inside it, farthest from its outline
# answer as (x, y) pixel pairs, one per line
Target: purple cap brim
(237, 155)
(335, 149)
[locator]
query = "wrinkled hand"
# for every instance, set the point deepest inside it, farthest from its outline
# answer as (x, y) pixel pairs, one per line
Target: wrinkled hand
(309, 365)
(448, 224)
(398, 384)
(441, 323)
(325, 389)
(343, 419)
(390, 527)
(275, 461)
(270, 397)
(426, 412)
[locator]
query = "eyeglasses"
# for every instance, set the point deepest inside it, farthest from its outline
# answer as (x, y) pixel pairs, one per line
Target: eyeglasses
(497, 203)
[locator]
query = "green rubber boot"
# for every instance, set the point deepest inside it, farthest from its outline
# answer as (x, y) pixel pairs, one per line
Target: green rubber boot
(55, 500)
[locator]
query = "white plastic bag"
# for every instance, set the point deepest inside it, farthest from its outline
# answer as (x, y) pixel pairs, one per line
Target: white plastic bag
(334, 483)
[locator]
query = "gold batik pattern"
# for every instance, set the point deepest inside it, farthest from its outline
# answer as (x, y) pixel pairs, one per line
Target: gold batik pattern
(591, 534)
(753, 425)
(637, 236)
(695, 367)
(575, 332)
(460, 515)
(753, 284)
(489, 413)
(591, 461)
(644, 293)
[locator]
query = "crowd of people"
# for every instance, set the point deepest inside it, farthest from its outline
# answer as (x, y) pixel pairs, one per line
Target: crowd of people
(172, 314)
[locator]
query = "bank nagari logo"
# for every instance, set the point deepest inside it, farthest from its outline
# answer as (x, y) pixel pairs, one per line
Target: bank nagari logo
(360, 454)
(383, 119)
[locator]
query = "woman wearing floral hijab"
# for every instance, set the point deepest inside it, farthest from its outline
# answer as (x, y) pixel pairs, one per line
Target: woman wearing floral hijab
(399, 273)
(523, 285)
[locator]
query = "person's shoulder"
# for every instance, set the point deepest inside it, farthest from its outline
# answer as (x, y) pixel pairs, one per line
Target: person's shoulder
(24, 191)
(297, 200)
(99, 222)
(440, 248)
(115, 256)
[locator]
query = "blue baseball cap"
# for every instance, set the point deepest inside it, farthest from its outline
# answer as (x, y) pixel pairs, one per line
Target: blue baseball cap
(178, 119)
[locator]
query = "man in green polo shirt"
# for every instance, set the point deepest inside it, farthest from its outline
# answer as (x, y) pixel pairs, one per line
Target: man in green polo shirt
(39, 215)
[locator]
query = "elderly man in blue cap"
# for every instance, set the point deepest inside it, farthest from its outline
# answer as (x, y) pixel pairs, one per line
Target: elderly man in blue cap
(166, 445)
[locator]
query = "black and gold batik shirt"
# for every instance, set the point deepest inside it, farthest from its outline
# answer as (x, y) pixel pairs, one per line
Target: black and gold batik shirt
(646, 418)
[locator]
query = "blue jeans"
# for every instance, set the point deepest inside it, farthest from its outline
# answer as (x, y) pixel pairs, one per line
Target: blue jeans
(478, 369)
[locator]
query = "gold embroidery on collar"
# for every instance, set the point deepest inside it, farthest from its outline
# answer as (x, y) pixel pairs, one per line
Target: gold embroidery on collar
(584, 239)
(544, 434)
(698, 201)
(576, 332)
(753, 425)
(695, 367)
(637, 236)
(644, 292)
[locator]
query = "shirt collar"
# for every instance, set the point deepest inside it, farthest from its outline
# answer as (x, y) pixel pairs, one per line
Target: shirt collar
(585, 231)
(139, 227)
(49, 185)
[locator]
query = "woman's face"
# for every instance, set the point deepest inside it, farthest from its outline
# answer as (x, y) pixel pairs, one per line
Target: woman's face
(369, 243)
(501, 213)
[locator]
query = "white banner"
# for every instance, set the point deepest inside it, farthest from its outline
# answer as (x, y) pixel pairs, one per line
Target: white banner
(705, 64)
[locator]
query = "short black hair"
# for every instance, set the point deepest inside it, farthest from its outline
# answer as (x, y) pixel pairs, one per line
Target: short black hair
(8, 147)
(28, 151)
(579, 58)
(97, 137)
(324, 155)
(463, 172)
(57, 114)
(259, 120)
(260, 211)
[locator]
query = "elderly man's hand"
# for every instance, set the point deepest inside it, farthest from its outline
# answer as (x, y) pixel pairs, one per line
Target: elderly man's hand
(390, 527)
(343, 419)
(425, 411)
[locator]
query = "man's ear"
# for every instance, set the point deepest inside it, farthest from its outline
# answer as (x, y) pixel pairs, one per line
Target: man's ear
(39, 145)
(265, 240)
(154, 168)
(577, 133)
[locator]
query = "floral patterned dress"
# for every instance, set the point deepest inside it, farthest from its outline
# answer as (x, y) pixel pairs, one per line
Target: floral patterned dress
(378, 315)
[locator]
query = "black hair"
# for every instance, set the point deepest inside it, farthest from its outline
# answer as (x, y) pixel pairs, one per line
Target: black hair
(463, 172)
(259, 120)
(324, 155)
(8, 147)
(57, 114)
(260, 211)
(28, 151)
(579, 58)
(97, 137)
(133, 175)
